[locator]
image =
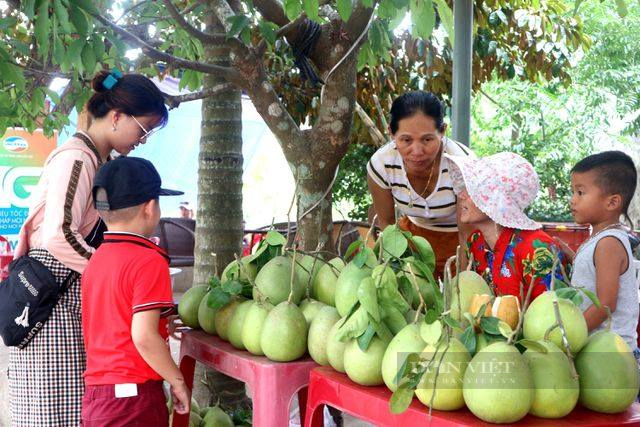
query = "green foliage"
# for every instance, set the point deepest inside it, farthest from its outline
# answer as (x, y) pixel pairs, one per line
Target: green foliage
(350, 184)
(553, 126)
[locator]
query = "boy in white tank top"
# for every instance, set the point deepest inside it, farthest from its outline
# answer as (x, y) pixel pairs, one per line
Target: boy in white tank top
(603, 185)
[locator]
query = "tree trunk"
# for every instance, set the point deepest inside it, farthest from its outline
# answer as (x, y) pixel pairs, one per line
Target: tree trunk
(219, 225)
(317, 155)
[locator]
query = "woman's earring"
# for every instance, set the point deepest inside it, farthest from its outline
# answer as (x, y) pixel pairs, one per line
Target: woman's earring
(114, 127)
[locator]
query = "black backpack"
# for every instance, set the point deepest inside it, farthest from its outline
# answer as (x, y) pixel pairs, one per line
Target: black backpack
(27, 298)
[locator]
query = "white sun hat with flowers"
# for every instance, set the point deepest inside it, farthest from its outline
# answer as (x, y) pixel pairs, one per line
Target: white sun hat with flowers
(502, 186)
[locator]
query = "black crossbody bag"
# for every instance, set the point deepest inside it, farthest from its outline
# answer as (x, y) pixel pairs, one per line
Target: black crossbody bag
(29, 294)
(27, 298)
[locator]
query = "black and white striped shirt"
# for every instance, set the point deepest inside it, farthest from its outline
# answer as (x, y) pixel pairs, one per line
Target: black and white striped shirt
(435, 212)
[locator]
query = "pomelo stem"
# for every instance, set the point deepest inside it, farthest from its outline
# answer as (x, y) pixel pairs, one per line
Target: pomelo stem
(470, 262)
(525, 305)
(293, 200)
(293, 272)
(313, 266)
(370, 232)
(553, 271)
(215, 265)
(563, 333)
(457, 284)
(447, 288)
(435, 380)
(415, 284)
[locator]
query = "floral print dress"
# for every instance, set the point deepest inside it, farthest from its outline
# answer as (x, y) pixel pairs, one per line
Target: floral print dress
(519, 256)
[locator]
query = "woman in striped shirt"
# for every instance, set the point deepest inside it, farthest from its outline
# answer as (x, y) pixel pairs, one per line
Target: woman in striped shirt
(409, 177)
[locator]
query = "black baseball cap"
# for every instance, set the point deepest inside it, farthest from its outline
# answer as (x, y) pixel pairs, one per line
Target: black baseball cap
(128, 181)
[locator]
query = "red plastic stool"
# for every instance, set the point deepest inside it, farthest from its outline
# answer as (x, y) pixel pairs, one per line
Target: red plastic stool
(272, 384)
(6, 256)
(371, 404)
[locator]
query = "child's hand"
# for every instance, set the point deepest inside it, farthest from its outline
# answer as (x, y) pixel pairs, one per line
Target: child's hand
(181, 398)
(566, 250)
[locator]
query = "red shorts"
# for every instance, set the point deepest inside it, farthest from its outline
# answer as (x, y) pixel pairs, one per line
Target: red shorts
(101, 408)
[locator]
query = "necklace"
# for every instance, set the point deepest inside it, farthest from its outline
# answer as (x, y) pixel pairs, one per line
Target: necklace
(426, 187)
(608, 227)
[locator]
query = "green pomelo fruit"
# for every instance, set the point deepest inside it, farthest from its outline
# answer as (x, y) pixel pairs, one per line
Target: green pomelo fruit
(405, 342)
(274, 281)
(189, 304)
(540, 316)
(223, 318)
(498, 387)
(365, 367)
(207, 316)
(347, 287)
(194, 406)
(483, 340)
(216, 417)
(319, 334)
(243, 273)
(284, 333)
(307, 267)
(310, 309)
(252, 327)
(236, 324)
(394, 319)
(609, 378)
(335, 348)
(444, 376)
(194, 419)
(555, 391)
(469, 284)
(324, 284)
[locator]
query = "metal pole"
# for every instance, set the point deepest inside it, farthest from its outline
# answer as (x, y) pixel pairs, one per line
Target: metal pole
(462, 62)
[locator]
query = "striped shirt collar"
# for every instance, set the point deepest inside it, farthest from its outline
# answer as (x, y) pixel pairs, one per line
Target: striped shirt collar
(133, 238)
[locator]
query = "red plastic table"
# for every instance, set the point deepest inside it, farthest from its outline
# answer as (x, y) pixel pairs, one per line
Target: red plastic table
(328, 387)
(272, 384)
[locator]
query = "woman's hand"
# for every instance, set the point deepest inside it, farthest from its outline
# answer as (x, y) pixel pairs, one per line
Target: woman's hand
(564, 248)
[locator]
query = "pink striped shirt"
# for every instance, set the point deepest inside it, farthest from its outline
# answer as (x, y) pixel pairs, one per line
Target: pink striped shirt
(62, 213)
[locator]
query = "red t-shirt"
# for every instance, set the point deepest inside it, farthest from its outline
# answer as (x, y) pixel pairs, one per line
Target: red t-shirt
(127, 274)
(518, 257)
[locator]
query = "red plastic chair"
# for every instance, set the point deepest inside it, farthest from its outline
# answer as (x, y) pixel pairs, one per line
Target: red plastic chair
(371, 404)
(272, 384)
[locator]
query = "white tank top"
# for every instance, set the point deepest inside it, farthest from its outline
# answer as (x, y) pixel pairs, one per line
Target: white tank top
(624, 320)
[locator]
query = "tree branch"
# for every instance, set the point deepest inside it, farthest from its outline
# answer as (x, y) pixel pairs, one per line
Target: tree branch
(227, 73)
(64, 106)
(272, 10)
(359, 20)
(273, 112)
(177, 16)
(131, 9)
(174, 101)
(378, 137)
(223, 12)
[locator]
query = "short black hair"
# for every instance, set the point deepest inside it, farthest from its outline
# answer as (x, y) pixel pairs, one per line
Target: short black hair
(616, 172)
(410, 103)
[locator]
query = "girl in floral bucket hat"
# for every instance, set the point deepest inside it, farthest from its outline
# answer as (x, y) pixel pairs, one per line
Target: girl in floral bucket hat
(508, 247)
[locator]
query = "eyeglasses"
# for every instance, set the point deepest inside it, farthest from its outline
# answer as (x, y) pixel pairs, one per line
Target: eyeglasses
(147, 133)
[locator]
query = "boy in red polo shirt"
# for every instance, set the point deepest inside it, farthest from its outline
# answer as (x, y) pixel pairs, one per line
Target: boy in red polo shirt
(126, 292)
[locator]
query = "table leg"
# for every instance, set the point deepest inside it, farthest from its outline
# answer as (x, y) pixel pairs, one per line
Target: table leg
(302, 403)
(187, 367)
